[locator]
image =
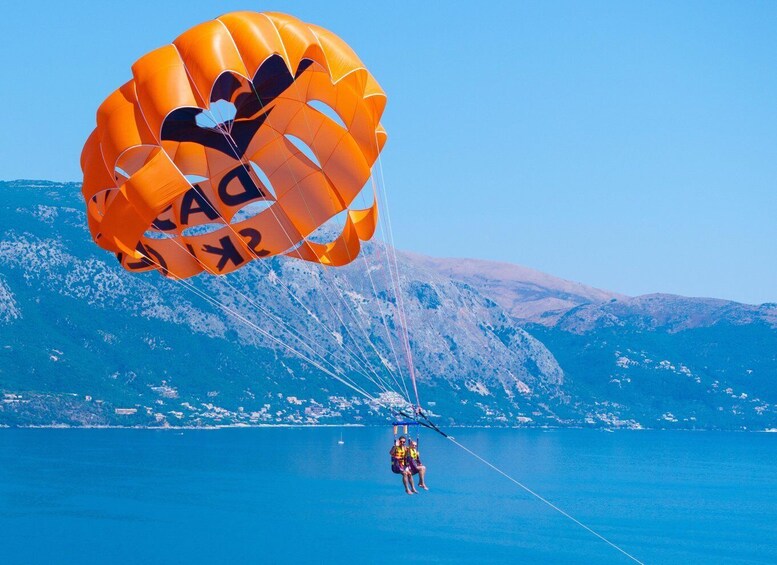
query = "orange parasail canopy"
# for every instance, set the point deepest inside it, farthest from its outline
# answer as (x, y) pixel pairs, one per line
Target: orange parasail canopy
(199, 162)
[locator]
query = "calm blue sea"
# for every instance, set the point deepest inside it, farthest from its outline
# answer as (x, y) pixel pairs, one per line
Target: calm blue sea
(296, 496)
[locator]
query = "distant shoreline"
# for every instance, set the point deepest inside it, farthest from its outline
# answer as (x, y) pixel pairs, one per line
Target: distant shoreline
(301, 426)
(174, 428)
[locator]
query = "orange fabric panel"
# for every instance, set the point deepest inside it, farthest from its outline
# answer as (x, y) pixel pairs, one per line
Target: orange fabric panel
(344, 249)
(93, 223)
(295, 36)
(162, 85)
(95, 209)
(122, 227)
(346, 169)
(121, 124)
(284, 165)
(169, 256)
(276, 232)
(341, 159)
(310, 203)
(374, 97)
(320, 87)
(320, 133)
(133, 159)
(155, 186)
(178, 261)
(97, 177)
(362, 123)
(190, 158)
(255, 36)
(346, 100)
(365, 221)
(283, 112)
(208, 51)
(381, 137)
(341, 59)
(219, 163)
(306, 252)
(137, 264)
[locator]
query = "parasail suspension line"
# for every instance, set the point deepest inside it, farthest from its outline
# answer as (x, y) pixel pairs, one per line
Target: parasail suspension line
(263, 332)
(400, 301)
(295, 85)
(544, 500)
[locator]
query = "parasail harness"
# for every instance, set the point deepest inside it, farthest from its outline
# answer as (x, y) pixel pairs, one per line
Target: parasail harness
(419, 418)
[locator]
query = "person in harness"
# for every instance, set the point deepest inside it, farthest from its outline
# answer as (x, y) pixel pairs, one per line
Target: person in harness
(415, 465)
(399, 464)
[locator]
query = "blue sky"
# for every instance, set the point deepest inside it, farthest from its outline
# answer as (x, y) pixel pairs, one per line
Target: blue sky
(630, 147)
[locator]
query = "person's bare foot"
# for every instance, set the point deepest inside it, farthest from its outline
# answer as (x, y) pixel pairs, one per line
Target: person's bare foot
(410, 492)
(415, 491)
(424, 487)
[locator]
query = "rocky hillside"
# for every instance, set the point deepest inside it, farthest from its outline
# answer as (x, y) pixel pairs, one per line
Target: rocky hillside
(524, 293)
(657, 360)
(82, 342)
(694, 361)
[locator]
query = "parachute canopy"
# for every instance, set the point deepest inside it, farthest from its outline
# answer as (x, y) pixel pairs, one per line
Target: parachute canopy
(236, 141)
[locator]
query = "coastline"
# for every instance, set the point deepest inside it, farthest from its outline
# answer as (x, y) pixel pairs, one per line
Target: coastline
(312, 426)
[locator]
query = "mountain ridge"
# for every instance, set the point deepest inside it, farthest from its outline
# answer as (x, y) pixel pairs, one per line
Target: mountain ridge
(86, 343)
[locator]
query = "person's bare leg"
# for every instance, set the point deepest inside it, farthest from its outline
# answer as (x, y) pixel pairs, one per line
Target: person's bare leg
(412, 484)
(406, 481)
(421, 475)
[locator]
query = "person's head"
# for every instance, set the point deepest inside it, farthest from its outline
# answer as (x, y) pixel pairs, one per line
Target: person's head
(413, 444)
(402, 440)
